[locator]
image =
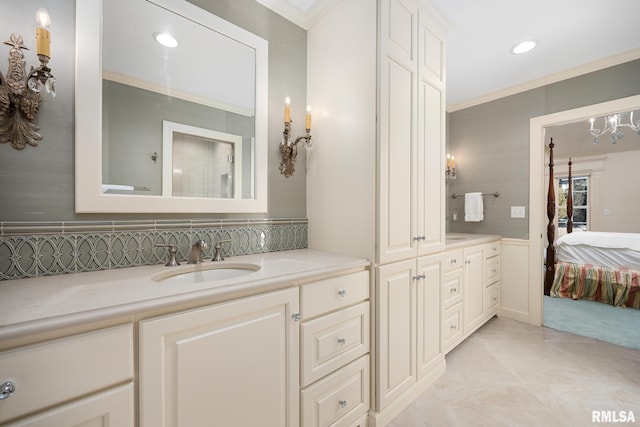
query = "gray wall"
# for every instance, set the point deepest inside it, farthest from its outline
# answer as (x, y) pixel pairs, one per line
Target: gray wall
(491, 144)
(37, 183)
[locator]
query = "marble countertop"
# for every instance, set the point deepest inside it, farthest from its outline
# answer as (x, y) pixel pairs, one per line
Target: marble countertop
(460, 240)
(35, 305)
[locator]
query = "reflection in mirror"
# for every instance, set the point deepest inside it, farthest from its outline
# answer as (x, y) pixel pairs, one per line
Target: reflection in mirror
(204, 163)
(183, 128)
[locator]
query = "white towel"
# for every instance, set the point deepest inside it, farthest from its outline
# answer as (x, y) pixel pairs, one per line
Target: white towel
(473, 207)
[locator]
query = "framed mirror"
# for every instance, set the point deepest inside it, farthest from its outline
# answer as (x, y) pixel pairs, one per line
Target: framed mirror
(168, 129)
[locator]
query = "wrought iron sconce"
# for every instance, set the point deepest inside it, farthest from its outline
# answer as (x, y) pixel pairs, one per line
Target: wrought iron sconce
(450, 172)
(289, 149)
(20, 97)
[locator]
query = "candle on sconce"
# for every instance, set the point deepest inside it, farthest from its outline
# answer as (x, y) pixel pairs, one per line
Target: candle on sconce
(287, 110)
(453, 162)
(591, 120)
(43, 37)
(448, 161)
(308, 118)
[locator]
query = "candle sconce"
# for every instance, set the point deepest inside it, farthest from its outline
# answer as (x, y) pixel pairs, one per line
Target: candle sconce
(289, 150)
(20, 98)
(450, 172)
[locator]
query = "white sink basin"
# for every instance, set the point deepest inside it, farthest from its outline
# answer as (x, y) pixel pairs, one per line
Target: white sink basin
(200, 273)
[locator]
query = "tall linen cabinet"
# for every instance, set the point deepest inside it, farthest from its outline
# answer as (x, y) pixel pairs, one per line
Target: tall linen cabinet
(375, 178)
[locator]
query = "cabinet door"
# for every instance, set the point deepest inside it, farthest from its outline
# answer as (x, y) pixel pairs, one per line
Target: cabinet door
(398, 130)
(231, 364)
(428, 314)
(430, 144)
(396, 330)
(473, 289)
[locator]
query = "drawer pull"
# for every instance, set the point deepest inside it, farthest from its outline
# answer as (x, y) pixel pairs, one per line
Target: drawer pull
(454, 290)
(7, 389)
(342, 292)
(342, 403)
(295, 317)
(454, 261)
(453, 327)
(342, 341)
(422, 276)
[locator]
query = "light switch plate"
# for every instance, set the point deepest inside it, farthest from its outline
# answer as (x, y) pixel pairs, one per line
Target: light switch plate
(518, 212)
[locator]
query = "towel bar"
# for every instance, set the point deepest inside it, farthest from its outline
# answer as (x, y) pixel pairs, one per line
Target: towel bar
(496, 194)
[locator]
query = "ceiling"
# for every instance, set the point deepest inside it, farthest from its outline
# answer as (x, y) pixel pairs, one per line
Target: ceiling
(574, 37)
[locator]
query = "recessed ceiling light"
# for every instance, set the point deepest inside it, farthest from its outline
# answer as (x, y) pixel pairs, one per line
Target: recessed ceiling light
(165, 39)
(523, 47)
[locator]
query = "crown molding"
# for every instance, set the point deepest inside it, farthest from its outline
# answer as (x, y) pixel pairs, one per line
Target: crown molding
(305, 19)
(590, 67)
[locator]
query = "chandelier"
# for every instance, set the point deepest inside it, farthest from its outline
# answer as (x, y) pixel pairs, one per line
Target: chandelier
(614, 124)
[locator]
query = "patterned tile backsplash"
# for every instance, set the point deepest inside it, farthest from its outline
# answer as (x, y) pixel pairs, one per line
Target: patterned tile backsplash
(46, 249)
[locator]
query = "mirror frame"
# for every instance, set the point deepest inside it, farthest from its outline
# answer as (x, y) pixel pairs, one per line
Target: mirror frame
(88, 120)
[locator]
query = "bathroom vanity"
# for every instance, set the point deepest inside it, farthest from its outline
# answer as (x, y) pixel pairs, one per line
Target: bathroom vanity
(289, 340)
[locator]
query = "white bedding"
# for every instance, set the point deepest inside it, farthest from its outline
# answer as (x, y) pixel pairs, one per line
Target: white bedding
(616, 250)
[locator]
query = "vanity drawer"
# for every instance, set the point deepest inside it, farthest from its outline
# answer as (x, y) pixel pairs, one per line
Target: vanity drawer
(331, 341)
(492, 299)
(492, 270)
(338, 400)
(451, 328)
(492, 249)
(333, 294)
(57, 371)
(452, 260)
(452, 288)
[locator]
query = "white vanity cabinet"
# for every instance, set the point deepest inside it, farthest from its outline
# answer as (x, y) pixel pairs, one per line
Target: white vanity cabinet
(492, 279)
(474, 314)
(408, 328)
(470, 291)
(452, 306)
(228, 364)
(334, 351)
(80, 380)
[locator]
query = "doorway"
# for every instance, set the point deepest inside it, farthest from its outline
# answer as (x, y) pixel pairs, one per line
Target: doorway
(537, 189)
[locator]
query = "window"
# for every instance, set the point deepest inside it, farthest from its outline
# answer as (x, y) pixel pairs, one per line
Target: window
(580, 192)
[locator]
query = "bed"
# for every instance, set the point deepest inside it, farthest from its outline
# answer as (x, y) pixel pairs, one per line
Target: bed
(596, 266)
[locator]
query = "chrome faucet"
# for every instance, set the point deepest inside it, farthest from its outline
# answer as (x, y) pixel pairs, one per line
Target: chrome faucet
(218, 250)
(195, 254)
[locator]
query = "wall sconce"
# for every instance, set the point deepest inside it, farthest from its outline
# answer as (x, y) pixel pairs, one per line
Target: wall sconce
(450, 172)
(289, 149)
(20, 92)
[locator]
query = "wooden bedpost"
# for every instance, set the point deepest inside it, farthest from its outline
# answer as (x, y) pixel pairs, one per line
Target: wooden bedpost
(551, 213)
(570, 201)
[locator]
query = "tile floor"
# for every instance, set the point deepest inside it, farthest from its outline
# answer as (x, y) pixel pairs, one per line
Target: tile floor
(513, 374)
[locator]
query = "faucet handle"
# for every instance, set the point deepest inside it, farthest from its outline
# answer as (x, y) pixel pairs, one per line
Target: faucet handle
(172, 253)
(218, 250)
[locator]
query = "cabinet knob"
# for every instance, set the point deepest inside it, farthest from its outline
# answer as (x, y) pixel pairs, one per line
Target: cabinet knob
(7, 389)
(295, 317)
(342, 292)
(342, 341)
(342, 403)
